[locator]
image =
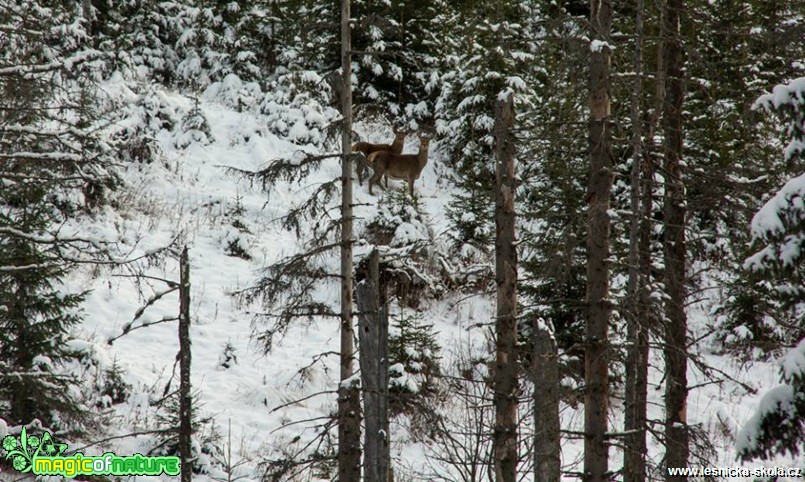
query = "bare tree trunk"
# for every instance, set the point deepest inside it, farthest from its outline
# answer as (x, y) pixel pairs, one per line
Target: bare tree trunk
(349, 409)
(505, 382)
(599, 307)
(373, 329)
(185, 397)
(674, 247)
(547, 461)
(86, 12)
(639, 311)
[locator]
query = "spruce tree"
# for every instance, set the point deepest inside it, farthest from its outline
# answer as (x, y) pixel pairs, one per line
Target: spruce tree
(490, 54)
(51, 169)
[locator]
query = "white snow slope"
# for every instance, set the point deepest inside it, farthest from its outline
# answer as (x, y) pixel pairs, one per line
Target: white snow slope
(187, 193)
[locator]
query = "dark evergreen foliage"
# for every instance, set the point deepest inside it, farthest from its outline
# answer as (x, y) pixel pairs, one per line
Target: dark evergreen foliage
(413, 367)
(205, 442)
(51, 167)
(778, 427)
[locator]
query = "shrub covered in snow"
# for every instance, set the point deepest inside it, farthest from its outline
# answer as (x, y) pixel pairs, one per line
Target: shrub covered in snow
(778, 426)
(778, 229)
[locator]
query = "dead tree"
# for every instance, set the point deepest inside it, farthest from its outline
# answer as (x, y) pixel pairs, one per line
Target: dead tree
(185, 398)
(505, 381)
(373, 326)
(545, 372)
(674, 245)
(349, 408)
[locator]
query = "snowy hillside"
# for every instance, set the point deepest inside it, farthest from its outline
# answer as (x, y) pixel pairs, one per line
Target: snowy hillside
(266, 406)
(186, 193)
(599, 277)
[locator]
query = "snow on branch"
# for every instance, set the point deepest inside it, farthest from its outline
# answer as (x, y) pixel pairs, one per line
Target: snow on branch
(43, 156)
(781, 211)
(779, 226)
(66, 64)
(48, 238)
(783, 95)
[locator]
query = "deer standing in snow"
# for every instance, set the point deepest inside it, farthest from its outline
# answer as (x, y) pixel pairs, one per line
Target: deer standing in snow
(399, 166)
(367, 148)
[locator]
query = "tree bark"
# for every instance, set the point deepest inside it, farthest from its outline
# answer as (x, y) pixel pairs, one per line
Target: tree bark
(599, 308)
(547, 461)
(349, 410)
(86, 12)
(674, 246)
(506, 383)
(185, 397)
(373, 328)
(638, 313)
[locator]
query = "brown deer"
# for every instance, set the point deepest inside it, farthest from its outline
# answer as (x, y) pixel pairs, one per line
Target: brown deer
(399, 166)
(367, 149)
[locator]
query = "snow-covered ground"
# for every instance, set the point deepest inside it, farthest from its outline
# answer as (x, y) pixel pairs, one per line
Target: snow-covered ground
(187, 193)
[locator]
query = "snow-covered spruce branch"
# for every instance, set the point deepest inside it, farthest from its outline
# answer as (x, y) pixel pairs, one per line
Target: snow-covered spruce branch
(8, 269)
(316, 204)
(4, 374)
(313, 207)
(110, 261)
(277, 278)
(280, 322)
(306, 310)
(42, 156)
(288, 170)
(33, 131)
(59, 254)
(99, 248)
(286, 288)
(45, 176)
(16, 29)
(66, 64)
(50, 238)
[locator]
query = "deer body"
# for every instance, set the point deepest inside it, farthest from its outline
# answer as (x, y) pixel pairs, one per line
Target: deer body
(399, 166)
(367, 148)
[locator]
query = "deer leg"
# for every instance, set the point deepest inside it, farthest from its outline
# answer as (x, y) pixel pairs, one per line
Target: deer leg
(375, 179)
(359, 171)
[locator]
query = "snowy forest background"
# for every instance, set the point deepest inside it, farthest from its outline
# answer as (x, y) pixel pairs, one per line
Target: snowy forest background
(132, 128)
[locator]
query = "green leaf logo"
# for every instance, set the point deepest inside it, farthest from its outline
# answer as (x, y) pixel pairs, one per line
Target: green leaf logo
(51, 448)
(21, 451)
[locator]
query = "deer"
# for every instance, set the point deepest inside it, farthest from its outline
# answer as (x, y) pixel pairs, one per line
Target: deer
(399, 166)
(367, 148)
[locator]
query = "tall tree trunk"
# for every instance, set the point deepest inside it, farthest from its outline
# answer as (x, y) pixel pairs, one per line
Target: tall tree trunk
(545, 369)
(86, 12)
(599, 307)
(639, 311)
(185, 397)
(373, 328)
(676, 384)
(349, 409)
(506, 384)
